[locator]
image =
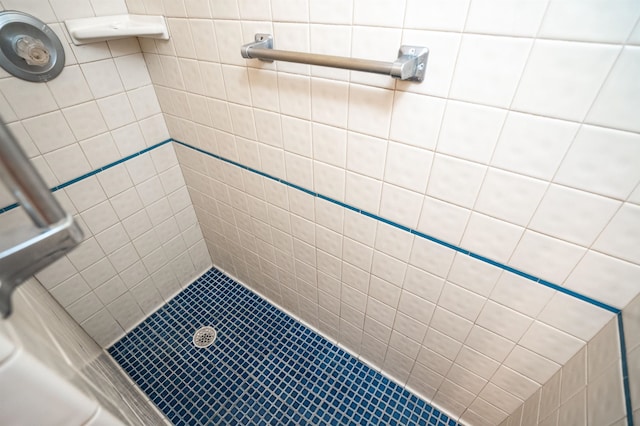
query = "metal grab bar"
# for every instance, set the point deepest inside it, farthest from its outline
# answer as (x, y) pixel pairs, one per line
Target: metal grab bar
(410, 65)
(25, 250)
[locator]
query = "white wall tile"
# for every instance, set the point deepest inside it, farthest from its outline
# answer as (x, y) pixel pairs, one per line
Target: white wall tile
(366, 155)
(295, 92)
(384, 13)
(602, 161)
(85, 120)
(531, 365)
(331, 11)
(70, 87)
(70, 290)
(104, 327)
(460, 301)
(470, 131)
(236, 82)
(456, 181)
(416, 119)
(329, 180)
(618, 97)
(551, 343)
(493, 238)
(503, 321)
(116, 110)
(329, 102)
(370, 110)
(596, 268)
(401, 205)
(489, 68)
(103, 77)
(604, 397)
(49, 131)
(229, 37)
(573, 215)
(559, 257)
(264, 91)
(488, 343)
(330, 145)
(133, 71)
(505, 17)
(402, 159)
(27, 99)
(67, 163)
(443, 220)
(618, 238)
(549, 85)
(521, 294)
(296, 11)
(533, 145)
(591, 21)
(431, 257)
(433, 15)
(509, 196)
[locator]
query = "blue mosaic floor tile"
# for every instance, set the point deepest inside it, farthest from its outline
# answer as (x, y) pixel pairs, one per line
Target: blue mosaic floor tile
(264, 368)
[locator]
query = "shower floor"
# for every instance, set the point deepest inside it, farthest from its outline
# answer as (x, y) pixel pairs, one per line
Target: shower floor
(264, 368)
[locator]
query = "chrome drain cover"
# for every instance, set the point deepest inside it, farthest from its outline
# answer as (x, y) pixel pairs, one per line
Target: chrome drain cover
(204, 337)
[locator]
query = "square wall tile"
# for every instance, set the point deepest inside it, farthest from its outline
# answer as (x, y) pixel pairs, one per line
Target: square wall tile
(533, 145)
(505, 17)
(454, 180)
(434, 15)
(470, 131)
(572, 215)
(589, 21)
(370, 110)
(416, 119)
(561, 79)
(602, 161)
(489, 68)
(618, 98)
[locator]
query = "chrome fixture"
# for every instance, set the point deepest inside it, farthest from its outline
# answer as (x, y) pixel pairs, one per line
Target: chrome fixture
(29, 49)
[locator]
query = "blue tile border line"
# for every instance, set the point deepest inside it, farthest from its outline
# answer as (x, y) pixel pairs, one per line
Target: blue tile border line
(95, 172)
(438, 241)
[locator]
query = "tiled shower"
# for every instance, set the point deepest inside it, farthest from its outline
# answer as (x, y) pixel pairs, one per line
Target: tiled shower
(468, 244)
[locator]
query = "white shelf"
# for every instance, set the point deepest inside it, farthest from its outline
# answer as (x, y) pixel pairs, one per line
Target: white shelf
(91, 30)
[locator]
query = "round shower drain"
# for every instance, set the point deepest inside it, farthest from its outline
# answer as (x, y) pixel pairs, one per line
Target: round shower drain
(204, 337)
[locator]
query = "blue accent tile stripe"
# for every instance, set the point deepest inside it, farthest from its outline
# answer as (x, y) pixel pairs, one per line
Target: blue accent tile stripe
(625, 371)
(415, 232)
(264, 368)
(95, 172)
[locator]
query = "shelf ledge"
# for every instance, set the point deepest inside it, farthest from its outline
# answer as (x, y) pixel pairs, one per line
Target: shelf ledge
(102, 28)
